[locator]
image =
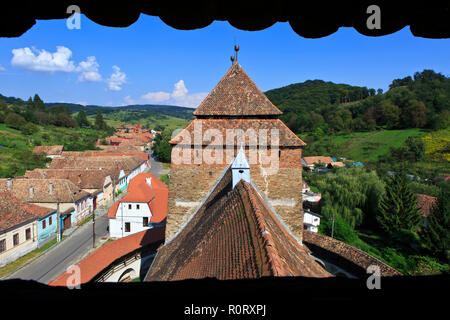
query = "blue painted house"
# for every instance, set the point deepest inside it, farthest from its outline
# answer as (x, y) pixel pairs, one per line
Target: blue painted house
(46, 224)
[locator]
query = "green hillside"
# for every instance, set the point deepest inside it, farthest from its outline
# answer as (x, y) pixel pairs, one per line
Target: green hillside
(16, 147)
(421, 101)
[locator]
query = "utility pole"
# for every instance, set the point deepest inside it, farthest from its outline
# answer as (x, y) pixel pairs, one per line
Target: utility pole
(114, 189)
(93, 227)
(58, 219)
(332, 227)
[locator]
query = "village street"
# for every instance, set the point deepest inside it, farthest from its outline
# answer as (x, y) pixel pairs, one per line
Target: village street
(75, 246)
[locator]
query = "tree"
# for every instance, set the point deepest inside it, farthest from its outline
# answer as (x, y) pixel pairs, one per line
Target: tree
(15, 121)
(436, 235)
(414, 115)
(38, 104)
(387, 114)
(100, 123)
(82, 120)
(398, 207)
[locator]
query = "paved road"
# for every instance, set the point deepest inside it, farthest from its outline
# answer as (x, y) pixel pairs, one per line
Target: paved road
(156, 168)
(72, 249)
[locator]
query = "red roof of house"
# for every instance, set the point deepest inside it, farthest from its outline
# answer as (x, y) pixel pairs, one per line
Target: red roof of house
(49, 150)
(317, 159)
(425, 204)
(142, 155)
(155, 196)
(236, 95)
(14, 211)
(101, 258)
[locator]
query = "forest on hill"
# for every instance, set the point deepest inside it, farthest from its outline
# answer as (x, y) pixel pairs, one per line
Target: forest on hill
(148, 110)
(318, 107)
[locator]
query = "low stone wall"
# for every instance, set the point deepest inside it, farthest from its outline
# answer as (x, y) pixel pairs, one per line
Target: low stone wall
(343, 255)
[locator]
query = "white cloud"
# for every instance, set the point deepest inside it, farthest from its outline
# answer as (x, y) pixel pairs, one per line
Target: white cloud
(116, 79)
(159, 96)
(83, 103)
(60, 61)
(89, 70)
(128, 100)
(42, 60)
(178, 96)
(2, 68)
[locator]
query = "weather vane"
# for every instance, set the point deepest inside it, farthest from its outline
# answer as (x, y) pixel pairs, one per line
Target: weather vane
(235, 57)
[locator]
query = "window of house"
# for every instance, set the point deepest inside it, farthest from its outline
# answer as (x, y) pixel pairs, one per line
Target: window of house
(145, 221)
(50, 221)
(129, 206)
(137, 207)
(44, 224)
(28, 234)
(127, 227)
(2, 245)
(16, 239)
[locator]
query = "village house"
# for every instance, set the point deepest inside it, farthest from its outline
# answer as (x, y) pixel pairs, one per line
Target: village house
(49, 151)
(309, 163)
(97, 182)
(143, 207)
(74, 203)
(18, 227)
(129, 166)
(311, 220)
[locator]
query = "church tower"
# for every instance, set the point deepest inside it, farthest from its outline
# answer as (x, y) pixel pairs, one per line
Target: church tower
(236, 115)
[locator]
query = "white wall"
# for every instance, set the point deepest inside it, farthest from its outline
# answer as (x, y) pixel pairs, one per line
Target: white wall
(134, 216)
(311, 221)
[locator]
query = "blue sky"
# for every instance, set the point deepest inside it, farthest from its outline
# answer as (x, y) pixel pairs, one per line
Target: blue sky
(150, 62)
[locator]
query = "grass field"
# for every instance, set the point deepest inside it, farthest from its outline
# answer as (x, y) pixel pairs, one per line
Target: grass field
(368, 146)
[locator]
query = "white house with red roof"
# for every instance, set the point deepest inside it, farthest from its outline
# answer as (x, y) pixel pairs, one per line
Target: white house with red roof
(143, 207)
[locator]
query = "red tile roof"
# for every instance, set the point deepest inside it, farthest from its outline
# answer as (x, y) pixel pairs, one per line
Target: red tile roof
(317, 159)
(49, 150)
(425, 204)
(84, 179)
(14, 211)
(155, 196)
(44, 190)
(234, 235)
(286, 136)
(142, 155)
(111, 251)
(236, 95)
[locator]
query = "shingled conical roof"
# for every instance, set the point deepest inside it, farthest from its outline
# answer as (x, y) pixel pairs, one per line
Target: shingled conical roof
(236, 95)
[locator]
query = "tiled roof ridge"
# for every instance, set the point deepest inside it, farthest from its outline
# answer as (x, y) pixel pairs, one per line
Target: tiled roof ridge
(236, 66)
(274, 261)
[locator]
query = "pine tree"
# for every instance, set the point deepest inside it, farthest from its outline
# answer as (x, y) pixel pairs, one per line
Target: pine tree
(38, 104)
(82, 120)
(398, 207)
(100, 124)
(436, 235)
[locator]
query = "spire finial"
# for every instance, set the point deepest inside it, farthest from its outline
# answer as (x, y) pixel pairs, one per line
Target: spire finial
(236, 49)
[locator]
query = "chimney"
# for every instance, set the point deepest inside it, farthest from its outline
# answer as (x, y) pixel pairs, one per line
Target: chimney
(31, 192)
(51, 188)
(9, 183)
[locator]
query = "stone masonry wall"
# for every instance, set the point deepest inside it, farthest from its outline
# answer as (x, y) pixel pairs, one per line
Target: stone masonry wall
(190, 183)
